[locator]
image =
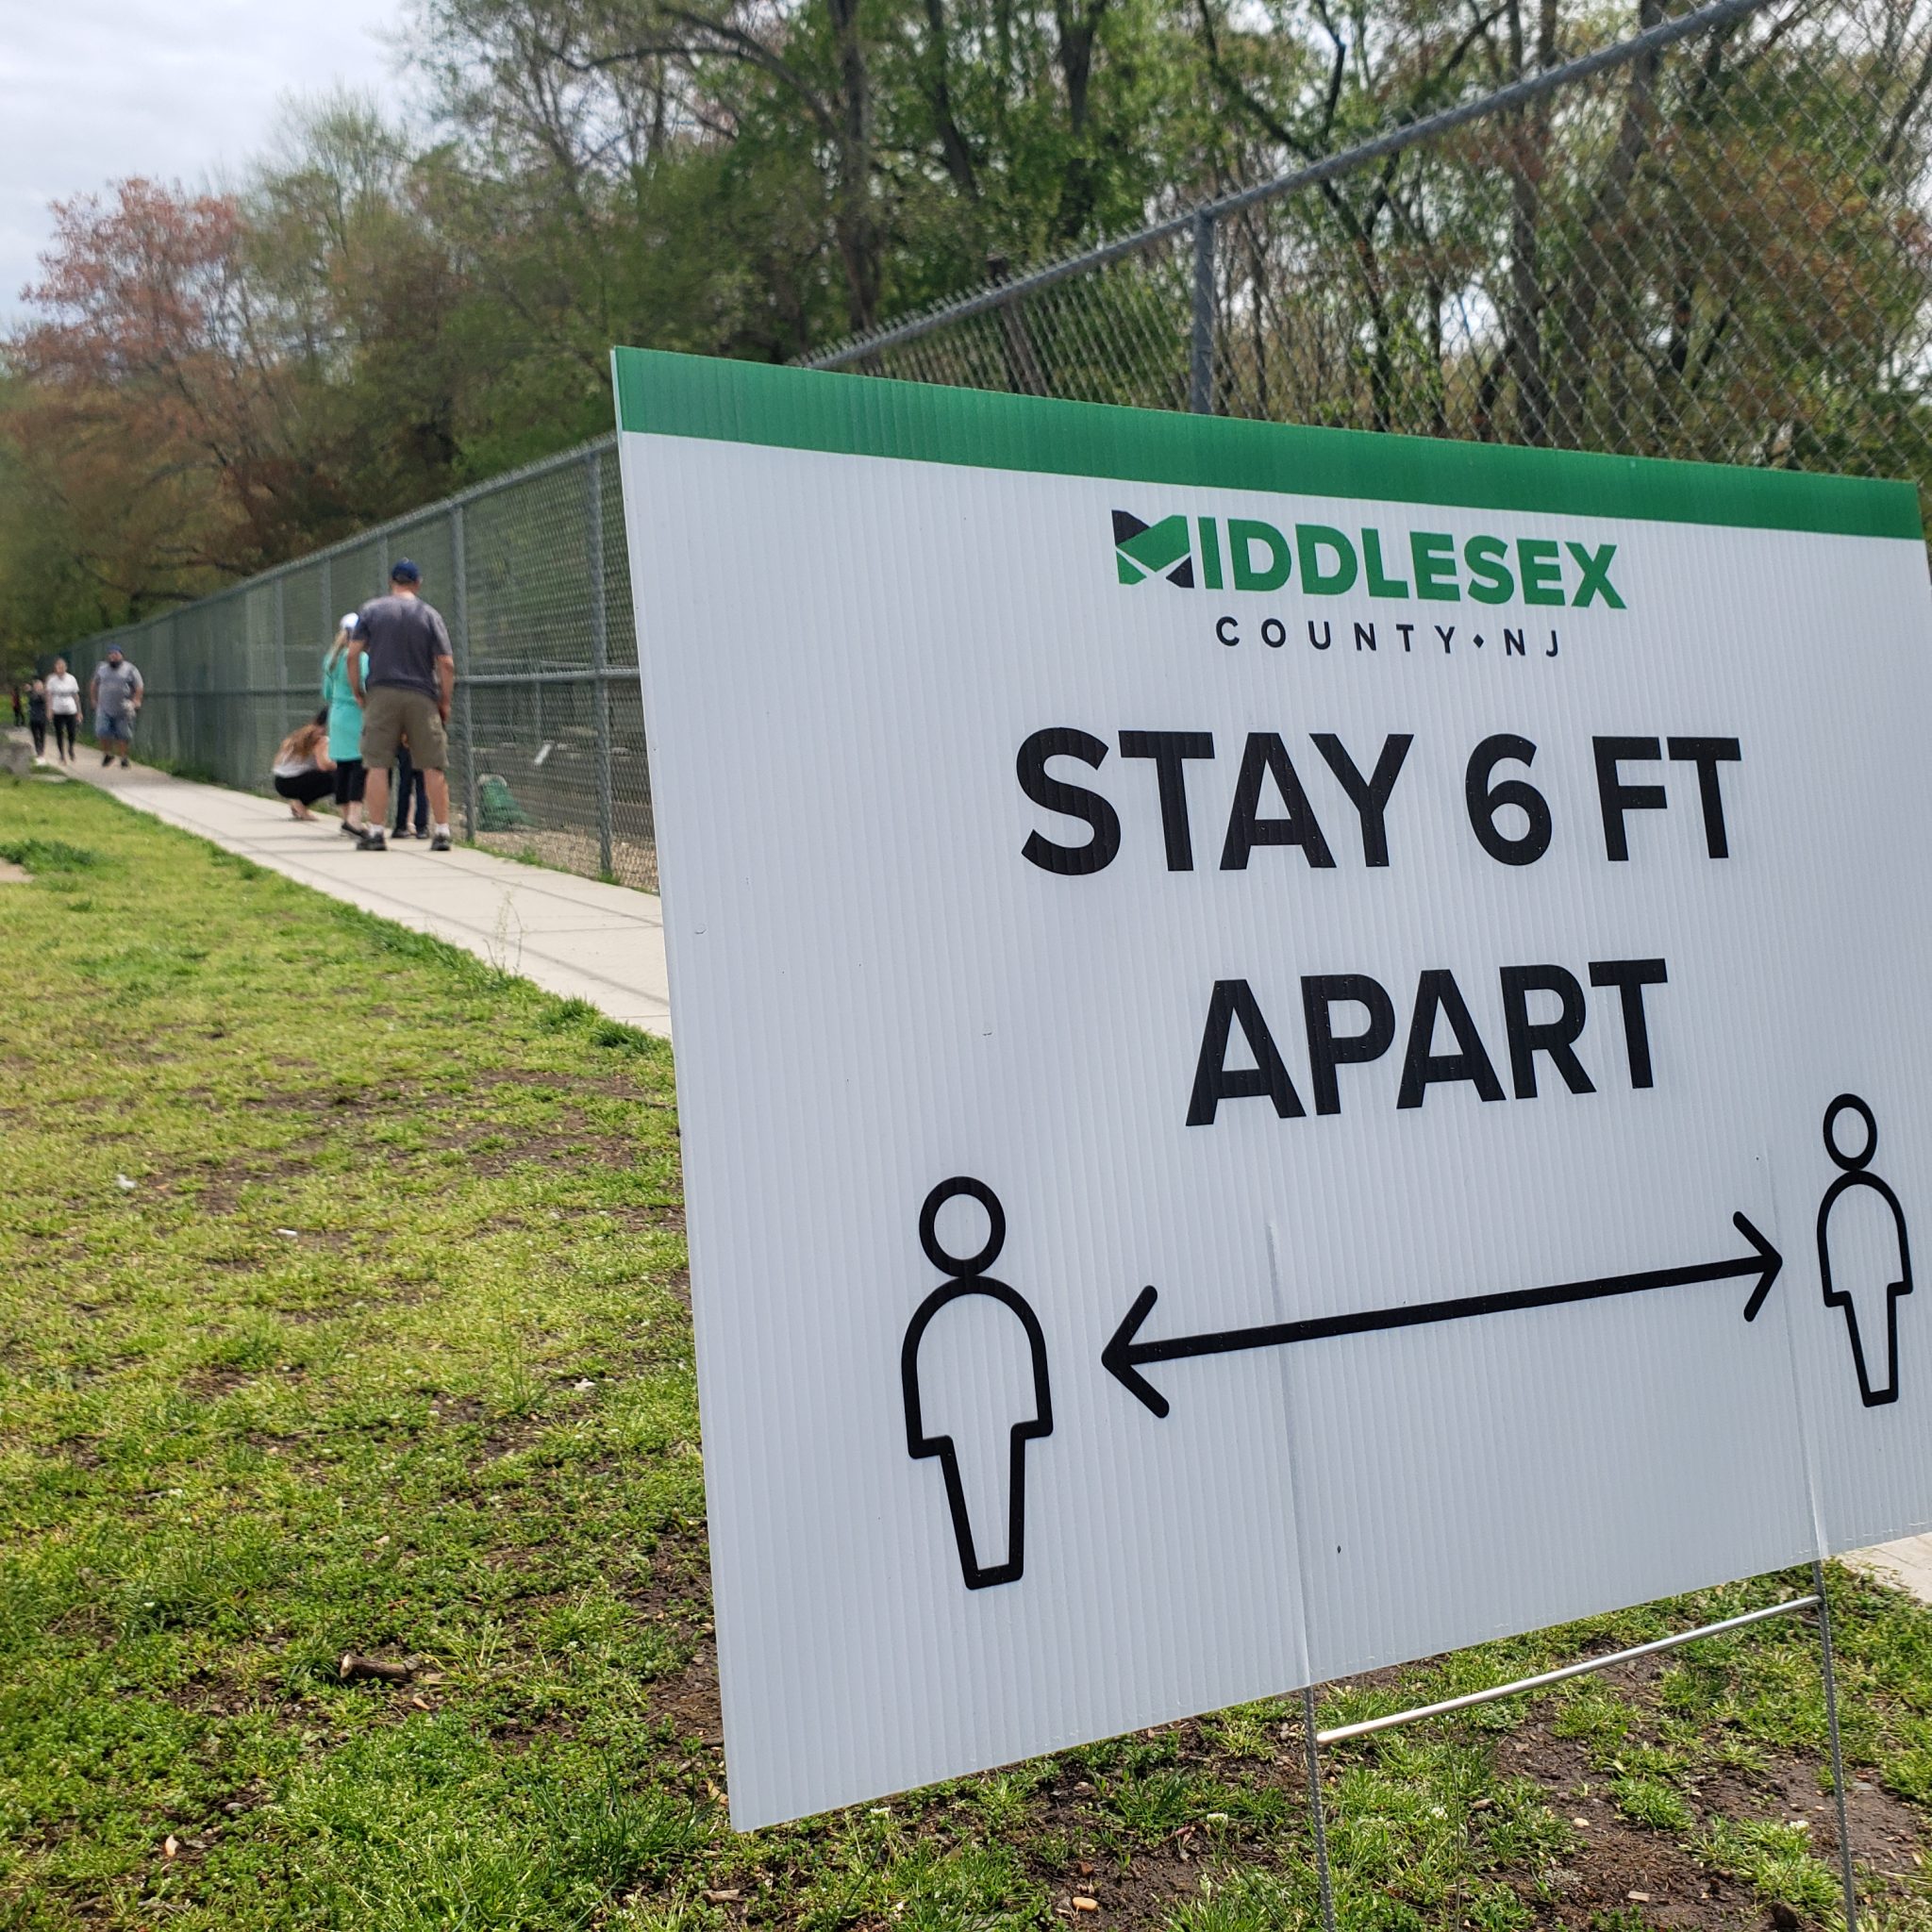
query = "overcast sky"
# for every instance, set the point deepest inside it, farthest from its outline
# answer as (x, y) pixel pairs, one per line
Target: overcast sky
(175, 89)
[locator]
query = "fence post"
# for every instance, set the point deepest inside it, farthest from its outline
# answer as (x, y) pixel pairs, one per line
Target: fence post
(329, 612)
(1201, 354)
(600, 654)
(282, 646)
(466, 715)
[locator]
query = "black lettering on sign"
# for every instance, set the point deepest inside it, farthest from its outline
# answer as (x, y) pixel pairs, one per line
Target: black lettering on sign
(1485, 800)
(1327, 1049)
(1215, 1080)
(1630, 976)
(1370, 795)
(1072, 801)
(1616, 797)
(1265, 756)
(1436, 994)
(1557, 1038)
(1707, 753)
(1169, 749)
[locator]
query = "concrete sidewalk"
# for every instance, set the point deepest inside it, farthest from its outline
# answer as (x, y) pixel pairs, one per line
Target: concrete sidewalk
(572, 936)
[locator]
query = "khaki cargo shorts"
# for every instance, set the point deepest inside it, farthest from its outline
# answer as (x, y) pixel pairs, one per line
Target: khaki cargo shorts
(387, 712)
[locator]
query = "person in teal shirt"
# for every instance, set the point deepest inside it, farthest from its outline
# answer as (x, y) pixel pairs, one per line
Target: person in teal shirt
(345, 726)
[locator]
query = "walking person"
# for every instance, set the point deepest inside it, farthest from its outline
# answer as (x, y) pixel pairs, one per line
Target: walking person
(303, 771)
(410, 786)
(411, 679)
(341, 699)
(64, 708)
(37, 716)
(114, 695)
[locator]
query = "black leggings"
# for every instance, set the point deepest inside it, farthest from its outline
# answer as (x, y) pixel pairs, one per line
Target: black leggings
(349, 781)
(39, 727)
(307, 787)
(63, 734)
(409, 781)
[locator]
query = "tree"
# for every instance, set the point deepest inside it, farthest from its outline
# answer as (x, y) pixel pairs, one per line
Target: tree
(147, 403)
(362, 290)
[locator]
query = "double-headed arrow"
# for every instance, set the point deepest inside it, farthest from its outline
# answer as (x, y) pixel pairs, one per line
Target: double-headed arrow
(1124, 1358)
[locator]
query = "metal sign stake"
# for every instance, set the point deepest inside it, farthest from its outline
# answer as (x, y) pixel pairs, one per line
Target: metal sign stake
(1315, 1810)
(1847, 1872)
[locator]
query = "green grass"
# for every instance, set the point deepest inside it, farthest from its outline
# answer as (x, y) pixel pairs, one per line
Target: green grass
(342, 1308)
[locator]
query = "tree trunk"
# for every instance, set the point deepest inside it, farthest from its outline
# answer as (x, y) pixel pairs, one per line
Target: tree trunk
(855, 221)
(1077, 28)
(1575, 309)
(1529, 143)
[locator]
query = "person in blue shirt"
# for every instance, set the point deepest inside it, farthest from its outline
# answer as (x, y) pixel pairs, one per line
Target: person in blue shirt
(345, 725)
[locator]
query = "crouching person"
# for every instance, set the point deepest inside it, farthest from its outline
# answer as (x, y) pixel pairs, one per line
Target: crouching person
(303, 771)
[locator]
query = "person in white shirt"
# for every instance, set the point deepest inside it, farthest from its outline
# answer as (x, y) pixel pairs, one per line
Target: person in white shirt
(64, 708)
(303, 771)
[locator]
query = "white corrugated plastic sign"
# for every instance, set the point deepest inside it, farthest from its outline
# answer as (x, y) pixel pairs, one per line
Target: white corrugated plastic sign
(1294, 1049)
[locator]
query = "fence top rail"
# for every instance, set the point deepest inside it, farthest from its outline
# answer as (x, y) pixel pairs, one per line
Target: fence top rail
(1394, 140)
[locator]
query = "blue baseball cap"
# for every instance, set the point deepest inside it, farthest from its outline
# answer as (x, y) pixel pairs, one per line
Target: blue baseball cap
(403, 572)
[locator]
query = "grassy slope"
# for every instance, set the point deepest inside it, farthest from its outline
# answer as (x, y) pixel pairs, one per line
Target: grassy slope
(385, 1350)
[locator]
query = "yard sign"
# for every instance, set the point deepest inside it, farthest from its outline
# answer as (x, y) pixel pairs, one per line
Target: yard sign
(1295, 1049)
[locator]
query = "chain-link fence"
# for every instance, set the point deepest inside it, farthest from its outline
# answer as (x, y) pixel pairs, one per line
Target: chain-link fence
(1708, 241)
(547, 739)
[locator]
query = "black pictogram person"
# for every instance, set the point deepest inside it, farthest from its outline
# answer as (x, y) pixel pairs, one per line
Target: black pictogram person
(968, 1278)
(1871, 1252)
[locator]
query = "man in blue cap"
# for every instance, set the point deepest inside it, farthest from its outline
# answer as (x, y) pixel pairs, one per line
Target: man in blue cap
(407, 687)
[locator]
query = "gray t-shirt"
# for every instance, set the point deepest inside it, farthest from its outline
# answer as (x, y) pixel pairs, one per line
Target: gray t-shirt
(404, 637)
(116, 686)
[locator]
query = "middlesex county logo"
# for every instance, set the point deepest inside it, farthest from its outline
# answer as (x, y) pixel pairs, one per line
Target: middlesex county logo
(1431, 566)
(1143, 550)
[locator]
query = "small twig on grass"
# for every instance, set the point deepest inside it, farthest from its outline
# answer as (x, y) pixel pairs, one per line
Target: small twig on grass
(353, 1667)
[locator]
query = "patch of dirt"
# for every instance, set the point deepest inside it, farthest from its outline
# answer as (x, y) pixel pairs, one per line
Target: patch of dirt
(676, 1596)
(208, 1693)
(1616, 1857)
(575, 1143)
(668, 1219)
(405, 1099)
(219, 1189)
(504, 1435)
(617, 1086)
(690, 1701)
(1144, 1890)
(334, 1238)
(1618, 1872)
(215, 1384)
(456, 1411)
